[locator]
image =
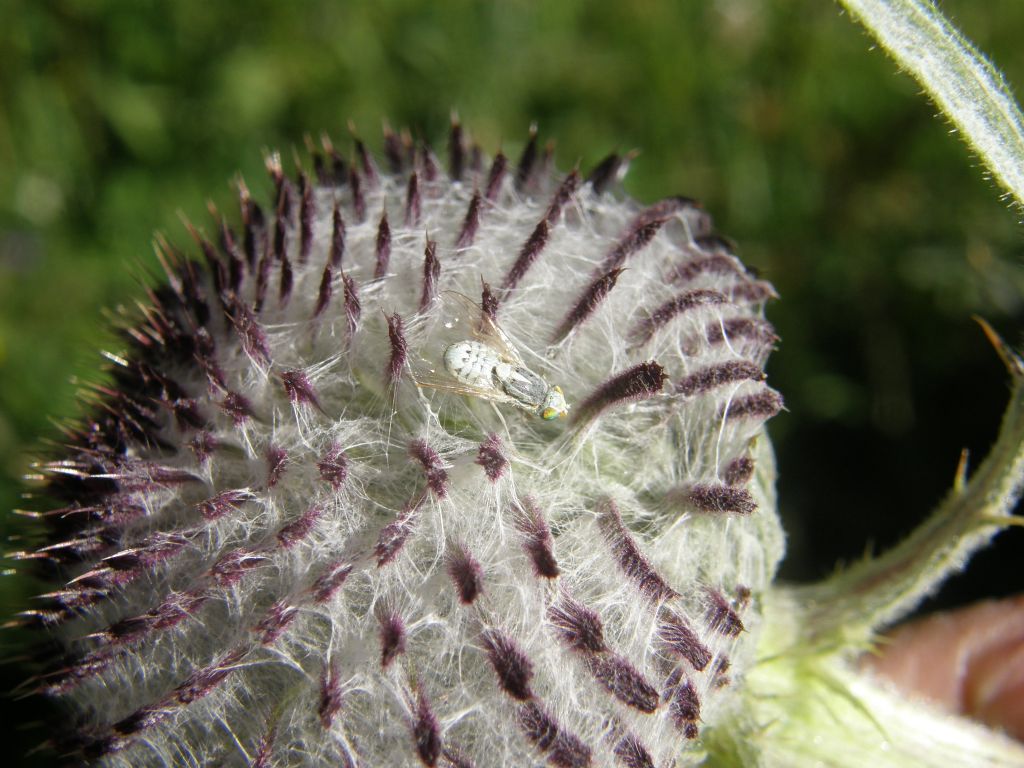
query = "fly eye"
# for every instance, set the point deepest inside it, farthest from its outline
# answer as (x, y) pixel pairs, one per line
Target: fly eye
(549, 414)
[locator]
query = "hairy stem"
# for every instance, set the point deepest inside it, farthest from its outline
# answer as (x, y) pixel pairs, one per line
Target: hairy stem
(849, 607)
(966, 87)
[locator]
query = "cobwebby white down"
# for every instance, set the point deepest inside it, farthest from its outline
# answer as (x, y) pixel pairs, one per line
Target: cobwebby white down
(395, 668)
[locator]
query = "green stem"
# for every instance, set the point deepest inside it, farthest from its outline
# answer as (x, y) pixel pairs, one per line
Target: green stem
(965, 86)
(846, 609)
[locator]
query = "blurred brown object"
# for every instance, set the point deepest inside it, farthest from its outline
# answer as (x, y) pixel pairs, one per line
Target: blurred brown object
(969, 661)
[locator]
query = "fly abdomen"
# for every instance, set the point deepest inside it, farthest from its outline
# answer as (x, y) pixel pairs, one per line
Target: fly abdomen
(472, 363)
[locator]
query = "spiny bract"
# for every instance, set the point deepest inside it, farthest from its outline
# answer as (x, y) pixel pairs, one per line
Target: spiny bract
(279, 549)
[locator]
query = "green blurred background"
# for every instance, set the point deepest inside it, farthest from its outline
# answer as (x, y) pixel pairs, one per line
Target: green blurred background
(828, 167)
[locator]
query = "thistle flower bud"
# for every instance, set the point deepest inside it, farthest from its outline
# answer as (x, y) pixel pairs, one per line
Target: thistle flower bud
(293, 531)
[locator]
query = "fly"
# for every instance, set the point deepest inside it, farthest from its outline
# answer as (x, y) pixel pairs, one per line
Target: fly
(488, 366)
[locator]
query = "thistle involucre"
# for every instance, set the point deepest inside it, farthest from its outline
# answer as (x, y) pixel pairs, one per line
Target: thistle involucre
(280, 549)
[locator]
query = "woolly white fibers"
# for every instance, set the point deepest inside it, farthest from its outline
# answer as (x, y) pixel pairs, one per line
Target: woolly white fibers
(282, 550)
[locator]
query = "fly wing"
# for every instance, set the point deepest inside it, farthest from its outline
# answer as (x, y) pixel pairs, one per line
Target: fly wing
(444, 382)
(463, 310)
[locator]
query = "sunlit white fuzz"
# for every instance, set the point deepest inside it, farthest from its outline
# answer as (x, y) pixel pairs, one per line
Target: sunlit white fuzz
(313, 522)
